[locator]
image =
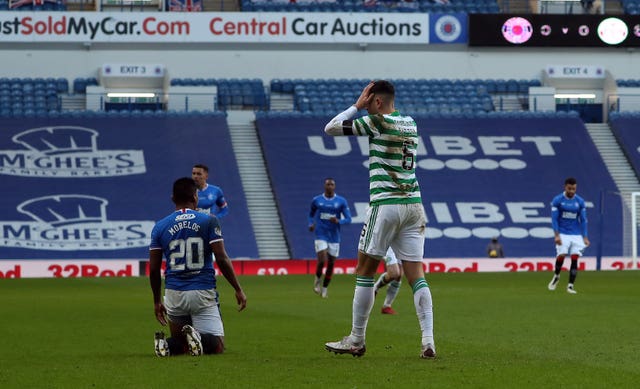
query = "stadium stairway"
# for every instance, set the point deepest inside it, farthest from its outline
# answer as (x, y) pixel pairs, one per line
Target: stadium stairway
(73, 102)
(263, 209)
(281, 101)
(614, 158)
(506, 102)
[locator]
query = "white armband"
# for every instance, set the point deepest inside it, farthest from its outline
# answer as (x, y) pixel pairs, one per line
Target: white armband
(338, 125)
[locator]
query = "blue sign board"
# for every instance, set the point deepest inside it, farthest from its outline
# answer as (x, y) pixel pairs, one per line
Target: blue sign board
(75, 188)
(479, 178)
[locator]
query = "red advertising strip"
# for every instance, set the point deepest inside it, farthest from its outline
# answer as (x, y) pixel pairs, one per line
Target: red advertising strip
(131, 268)
(68, 269)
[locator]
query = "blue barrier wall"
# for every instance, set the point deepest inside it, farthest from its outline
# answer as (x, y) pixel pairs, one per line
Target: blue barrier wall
(479, 178)
(76, 188)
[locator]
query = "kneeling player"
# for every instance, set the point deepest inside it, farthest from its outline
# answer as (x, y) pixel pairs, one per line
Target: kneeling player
(187, 238)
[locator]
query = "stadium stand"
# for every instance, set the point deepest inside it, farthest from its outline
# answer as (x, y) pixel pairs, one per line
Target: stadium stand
(31, 96)
(465, 97)
(319, 96)
(631, 7)
(523, 155)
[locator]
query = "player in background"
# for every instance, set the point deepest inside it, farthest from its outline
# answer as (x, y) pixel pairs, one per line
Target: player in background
(210, 197)
(395, 216)
(187, 238)
(392, 277)
(569, 221)
(328, 212)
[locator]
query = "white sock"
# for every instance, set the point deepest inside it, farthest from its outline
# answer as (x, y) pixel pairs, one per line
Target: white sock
(392, 292)
(424, 309)
(363, 299)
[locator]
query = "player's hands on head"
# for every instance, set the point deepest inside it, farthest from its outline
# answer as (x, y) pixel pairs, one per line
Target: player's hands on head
(365, 97)
(242, 299)
(161, 313)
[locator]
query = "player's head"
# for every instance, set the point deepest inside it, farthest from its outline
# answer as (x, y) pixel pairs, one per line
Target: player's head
(383, 97)
(329, 186)
(200, 174)
(185, 193)
(570, 187)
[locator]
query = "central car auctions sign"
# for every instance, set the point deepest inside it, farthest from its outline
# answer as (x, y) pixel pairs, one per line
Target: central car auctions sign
(231, 27)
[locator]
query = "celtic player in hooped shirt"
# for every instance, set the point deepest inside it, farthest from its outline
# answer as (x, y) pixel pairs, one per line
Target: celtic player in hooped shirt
(395, 217)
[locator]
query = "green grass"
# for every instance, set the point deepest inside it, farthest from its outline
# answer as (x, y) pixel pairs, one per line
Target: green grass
(492, 330)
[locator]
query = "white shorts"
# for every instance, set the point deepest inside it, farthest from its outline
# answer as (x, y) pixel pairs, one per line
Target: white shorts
(571, 244)
(391, 258)
(200, 305)
(399, 226)
(333, 249)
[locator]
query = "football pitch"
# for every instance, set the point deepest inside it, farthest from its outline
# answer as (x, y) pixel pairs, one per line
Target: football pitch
(492, 330)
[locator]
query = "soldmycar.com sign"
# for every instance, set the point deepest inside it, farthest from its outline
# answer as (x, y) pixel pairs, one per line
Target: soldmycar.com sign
(232, 27)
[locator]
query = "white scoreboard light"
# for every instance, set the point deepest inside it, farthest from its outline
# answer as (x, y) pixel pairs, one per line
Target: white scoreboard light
(554, 30)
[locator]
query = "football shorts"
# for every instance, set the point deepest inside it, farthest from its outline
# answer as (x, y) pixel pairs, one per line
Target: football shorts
(571, 244)
(333, 249)
(391, 258)
(198, 307)
(399, 226)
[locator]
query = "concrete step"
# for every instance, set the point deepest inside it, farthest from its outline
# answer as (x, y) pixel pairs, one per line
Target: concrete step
(264, 216)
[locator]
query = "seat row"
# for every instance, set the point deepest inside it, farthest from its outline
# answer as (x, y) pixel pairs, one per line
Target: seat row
(31, 95)
(464, 6)
(234, 92)
(511, 86)
(113, 113)
(434, 115)
(629, 83)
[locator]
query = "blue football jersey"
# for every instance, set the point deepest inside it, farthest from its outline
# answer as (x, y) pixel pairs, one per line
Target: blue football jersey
(323, 209)
(185, 237)
(211, 200)
(569, 215)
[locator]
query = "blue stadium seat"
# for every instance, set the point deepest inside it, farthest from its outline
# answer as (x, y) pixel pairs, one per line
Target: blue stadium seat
(512, 86)
(287, 86)
(79, 85)
(501, 86)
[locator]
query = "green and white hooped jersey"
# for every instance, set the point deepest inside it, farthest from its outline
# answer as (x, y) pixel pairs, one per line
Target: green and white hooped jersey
(393, 143)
